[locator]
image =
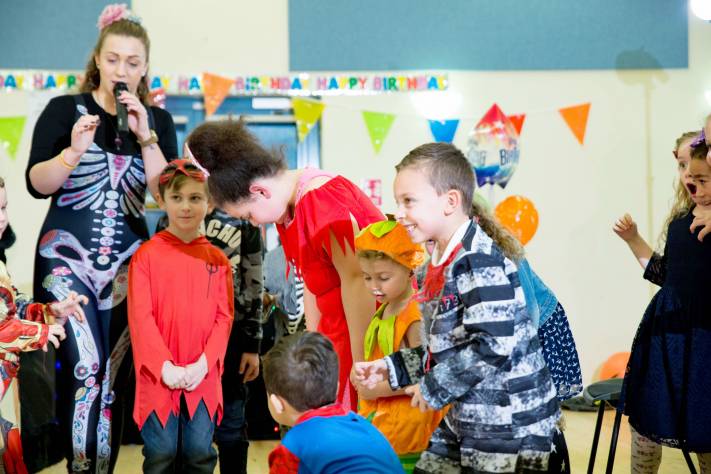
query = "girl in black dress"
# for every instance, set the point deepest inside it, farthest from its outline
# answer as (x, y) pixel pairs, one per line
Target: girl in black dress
(667, 391)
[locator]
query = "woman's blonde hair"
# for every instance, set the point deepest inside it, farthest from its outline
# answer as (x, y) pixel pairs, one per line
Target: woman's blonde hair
(124, 27)
(682, 200)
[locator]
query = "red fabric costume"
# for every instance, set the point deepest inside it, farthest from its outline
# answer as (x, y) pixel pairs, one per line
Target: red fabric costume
(307, 244)
(180, 304)
(17, 335)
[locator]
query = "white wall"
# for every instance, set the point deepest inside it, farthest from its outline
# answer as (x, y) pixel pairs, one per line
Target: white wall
(578, 191)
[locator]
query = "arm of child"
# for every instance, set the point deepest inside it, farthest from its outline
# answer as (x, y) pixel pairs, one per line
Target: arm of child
(249, 302)
(311, 311)
(358, 303)
(149, 350)
(626, 229)
(216, 343)
(55, 334)
(656, 269)
(489, 316)
(248, 289)
(283, 461)
(69, 306)
(17, 335)
(702, 221)
(382, 388)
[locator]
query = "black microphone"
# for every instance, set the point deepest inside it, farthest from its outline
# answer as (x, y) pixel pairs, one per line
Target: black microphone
(121, 112)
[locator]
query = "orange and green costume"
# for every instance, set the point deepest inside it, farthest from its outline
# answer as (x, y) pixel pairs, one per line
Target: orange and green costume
(407, 428)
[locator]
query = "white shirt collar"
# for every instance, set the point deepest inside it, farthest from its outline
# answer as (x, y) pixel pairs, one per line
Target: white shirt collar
(456, 238)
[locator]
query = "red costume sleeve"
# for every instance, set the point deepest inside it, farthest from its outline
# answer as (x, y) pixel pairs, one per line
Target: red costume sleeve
(149, 349)
(216, 344)
(20, 336)
(36, 312)
(283, 461)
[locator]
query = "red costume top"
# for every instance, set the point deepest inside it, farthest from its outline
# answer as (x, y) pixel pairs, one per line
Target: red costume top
(18, 335)
(307, 244)
(180, 304)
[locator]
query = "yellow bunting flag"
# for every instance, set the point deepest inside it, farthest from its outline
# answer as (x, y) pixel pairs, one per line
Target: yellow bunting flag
(307, 113)
(378, 127)
(10, 134)
(577, 119)
(215, 89)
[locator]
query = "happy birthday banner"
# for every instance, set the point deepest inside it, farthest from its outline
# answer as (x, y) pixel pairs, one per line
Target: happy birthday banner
(300, 84)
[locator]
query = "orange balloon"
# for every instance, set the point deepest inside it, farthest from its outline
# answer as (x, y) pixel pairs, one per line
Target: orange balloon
(519, 216)
(615, 365)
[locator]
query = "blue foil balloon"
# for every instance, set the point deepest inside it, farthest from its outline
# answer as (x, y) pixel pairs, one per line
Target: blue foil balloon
(493, 148)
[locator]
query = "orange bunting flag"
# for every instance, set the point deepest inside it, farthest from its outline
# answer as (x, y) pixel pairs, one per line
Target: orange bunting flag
(577, 119)
(517, 121)
(215, 89)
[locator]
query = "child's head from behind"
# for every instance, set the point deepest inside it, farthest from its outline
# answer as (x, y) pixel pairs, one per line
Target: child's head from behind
(4, 221)
(184, 196)
(241, 171)
(300, 374)
(434, 183)
(387, 257)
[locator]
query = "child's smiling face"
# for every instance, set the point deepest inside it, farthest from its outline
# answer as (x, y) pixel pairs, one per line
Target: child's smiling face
(419, 207)
(386, 279)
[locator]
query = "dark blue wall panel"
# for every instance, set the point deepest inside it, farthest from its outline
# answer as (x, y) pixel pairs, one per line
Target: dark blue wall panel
(342, 35)
(48, 34)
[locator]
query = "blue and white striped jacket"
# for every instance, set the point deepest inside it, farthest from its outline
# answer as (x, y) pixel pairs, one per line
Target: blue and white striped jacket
(486, 362)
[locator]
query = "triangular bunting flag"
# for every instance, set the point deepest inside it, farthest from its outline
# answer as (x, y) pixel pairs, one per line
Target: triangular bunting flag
(577, 119)
(443, 130)
(493, 117)
(215, 89)
(10, 133)
(307, 113)
(378, 127)
(517, 121)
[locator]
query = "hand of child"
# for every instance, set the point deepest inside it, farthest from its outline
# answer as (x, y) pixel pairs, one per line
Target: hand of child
(56, 333)
(626, 228)
(418, 400)
(172, 375)
(363, 391)
(249, 366)
(70, 306)
(370, 373)
(195, 373)
(703, 220)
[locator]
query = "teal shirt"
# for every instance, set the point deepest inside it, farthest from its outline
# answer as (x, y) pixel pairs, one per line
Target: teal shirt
(540, 300)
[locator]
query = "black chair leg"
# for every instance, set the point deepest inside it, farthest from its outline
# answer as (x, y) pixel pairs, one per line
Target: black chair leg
(596, 437)
(613, 442)
(689, 462)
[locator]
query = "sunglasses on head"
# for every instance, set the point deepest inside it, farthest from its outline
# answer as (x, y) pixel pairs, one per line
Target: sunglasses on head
(183, 166)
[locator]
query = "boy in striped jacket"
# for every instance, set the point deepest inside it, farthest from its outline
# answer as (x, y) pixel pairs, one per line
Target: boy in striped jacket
(481, 354)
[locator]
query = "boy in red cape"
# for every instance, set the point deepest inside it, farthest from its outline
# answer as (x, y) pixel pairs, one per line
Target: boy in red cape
(180, 310)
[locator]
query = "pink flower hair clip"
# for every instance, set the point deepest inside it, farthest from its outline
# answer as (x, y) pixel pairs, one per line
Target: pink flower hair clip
(115, 12)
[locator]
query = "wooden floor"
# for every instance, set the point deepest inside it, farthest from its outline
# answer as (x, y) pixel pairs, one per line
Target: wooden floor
(579, 431)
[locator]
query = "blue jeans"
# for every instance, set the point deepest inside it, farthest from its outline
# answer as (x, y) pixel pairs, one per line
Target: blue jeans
(183, 445)
(231, 433)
